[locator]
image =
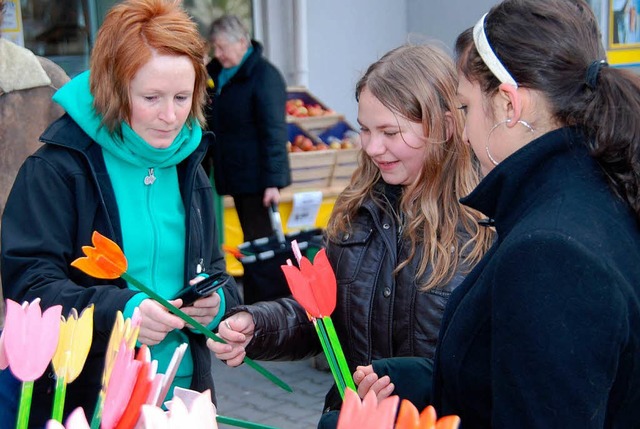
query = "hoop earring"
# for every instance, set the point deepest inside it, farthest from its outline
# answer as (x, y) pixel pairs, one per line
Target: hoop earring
(506, 121)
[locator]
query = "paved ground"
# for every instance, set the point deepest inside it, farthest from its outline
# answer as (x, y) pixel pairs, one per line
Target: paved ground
(244, 394)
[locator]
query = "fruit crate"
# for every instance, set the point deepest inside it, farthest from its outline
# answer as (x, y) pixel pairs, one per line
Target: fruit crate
(326, 119)
(312, 170)
(345, 164)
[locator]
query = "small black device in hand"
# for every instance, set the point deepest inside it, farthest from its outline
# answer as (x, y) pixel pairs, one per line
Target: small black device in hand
(201, 289)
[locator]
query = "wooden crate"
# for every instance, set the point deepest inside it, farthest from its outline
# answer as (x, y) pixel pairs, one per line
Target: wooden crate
(311, 170)
(345, 164)
(311, 122)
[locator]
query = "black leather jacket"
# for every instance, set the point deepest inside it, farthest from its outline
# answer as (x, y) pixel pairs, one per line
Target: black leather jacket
(61, 195)
(377, 315)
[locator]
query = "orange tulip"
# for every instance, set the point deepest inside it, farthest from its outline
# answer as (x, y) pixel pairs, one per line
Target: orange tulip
(368, 413)
(104, 261)
(408, 418)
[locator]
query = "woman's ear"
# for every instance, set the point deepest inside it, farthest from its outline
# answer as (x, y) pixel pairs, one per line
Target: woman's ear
(510, 103)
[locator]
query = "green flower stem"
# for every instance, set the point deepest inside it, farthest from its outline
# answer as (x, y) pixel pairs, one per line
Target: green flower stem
(97, 412)
(241, 423)
(58, 399)
(337, 349)
(25, 405)
(191, 321)
(331, 359)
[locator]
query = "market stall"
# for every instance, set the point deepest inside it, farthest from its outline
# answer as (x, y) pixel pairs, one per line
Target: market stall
(323, 150)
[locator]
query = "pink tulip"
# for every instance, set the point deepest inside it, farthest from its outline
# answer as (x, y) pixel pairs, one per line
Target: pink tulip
(30, 338)
(4, 362)
(123, 378)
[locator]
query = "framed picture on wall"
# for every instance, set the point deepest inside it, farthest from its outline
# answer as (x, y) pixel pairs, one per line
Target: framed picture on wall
(623, 32)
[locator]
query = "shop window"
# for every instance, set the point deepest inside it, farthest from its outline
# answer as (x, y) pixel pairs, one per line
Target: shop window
(61, 33)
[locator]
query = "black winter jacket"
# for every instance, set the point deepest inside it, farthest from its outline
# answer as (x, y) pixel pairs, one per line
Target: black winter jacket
(61, 195)
(545, 331)
(378, 315)
(248, 118)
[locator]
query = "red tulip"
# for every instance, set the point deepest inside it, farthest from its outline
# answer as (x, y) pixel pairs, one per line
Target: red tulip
(313, 286)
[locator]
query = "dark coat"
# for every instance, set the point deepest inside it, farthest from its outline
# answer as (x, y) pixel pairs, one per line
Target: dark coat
(377, 315)
(61, 195)
(248, 118)
(545, 331)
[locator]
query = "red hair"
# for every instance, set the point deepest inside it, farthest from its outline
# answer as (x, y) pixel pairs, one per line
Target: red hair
(132, 31)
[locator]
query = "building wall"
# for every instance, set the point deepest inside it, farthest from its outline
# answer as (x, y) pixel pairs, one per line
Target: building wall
(344, 37)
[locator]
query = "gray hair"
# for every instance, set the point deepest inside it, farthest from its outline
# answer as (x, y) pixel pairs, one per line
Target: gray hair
(230, 27)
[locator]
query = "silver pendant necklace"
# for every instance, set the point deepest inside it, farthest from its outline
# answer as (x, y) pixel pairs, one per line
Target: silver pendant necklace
(150, 178)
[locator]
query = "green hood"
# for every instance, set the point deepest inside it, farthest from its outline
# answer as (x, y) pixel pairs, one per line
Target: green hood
(76, 98)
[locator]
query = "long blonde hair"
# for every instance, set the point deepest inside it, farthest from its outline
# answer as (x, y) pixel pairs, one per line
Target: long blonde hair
(419, 83)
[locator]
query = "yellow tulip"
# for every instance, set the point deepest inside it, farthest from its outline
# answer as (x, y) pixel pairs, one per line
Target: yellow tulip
(76, 334)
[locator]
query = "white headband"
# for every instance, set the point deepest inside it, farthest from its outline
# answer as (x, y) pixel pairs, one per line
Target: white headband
(488, 56)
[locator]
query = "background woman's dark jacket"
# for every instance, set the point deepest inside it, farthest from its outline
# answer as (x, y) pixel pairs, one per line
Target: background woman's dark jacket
(377, 314)
(37, 252)
(248, 118)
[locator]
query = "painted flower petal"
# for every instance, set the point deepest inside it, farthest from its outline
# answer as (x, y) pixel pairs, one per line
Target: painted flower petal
(301, 290)
(81, 343)
(123, 378)
(448, 422)
(4, 362)
(89, 266)
(140, 391)
(408, 416)
(326, 289)
(76, 420)
(154, 418)
(368, 413)
(110, 250)
(76, 334)
(428, 418)
(31, 338)
(202, 412)
(104, 261)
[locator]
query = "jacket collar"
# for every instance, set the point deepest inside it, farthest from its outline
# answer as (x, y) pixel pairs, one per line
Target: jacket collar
(511, 188)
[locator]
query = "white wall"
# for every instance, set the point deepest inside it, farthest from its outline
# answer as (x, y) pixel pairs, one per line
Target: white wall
(344, 37)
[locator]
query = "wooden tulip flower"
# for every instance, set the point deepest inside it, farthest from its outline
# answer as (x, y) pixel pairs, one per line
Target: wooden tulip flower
(314, 287)
(76, 334)
(29, 340)
(368, 413)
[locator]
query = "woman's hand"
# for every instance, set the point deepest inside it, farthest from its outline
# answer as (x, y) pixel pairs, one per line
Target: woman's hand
(237, 331)
(157, 322)
(367, 380)
(205, 309)
(271, 196)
